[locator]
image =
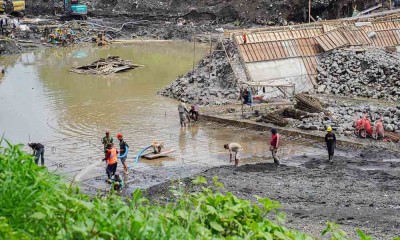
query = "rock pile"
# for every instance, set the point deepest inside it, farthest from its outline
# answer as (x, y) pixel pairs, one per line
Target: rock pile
(343, 116)
(211, 82)
(373, 74)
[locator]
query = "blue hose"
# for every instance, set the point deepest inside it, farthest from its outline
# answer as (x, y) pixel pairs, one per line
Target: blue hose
(125, 154)
(141, 153)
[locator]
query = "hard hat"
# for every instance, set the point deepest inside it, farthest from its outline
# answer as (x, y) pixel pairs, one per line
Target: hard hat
(119, 135)
(329, 129)
(273, 131)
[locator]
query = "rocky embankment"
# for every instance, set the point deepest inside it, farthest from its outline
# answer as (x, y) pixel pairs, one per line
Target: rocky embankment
(373, 74)
(211, 82)
(343, 116)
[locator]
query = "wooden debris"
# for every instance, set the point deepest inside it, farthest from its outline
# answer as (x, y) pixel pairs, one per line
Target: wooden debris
(291, 112)
(274, 118)
(106, 66)
(392, 137)
(308, 103)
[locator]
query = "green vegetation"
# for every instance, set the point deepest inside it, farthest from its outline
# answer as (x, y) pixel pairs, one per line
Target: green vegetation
(36, 204)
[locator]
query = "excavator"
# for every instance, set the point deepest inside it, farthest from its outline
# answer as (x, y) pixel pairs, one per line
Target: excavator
(12, 7)
(74, 10)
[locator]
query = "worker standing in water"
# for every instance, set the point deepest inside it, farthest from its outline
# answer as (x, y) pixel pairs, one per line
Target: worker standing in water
(122, 150)
(111, 158)
(330, 140)
(274, 145)
(234, 150)
(183, 113)
(38, 152)
(106, 140)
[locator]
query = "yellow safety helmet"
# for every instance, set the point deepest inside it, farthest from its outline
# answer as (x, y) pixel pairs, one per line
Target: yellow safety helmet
(329, 129)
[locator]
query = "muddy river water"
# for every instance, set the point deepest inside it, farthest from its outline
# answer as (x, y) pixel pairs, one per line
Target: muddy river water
(41, 101)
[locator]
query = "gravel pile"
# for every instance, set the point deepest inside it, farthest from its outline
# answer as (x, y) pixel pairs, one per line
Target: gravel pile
(372, 74)
(212, 82)
(344, 115)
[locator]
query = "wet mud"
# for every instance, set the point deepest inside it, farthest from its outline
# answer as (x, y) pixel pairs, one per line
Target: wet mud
(361, 189)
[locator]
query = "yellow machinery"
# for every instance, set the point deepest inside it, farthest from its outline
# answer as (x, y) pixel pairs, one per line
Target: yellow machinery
(14, 7)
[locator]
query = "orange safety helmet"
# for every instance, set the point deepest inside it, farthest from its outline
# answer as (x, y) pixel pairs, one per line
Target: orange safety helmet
(119, 135)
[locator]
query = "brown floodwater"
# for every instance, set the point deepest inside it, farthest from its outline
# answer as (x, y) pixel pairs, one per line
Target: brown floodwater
(41, 101)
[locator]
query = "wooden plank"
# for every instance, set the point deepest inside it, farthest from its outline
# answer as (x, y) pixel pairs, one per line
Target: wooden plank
(244, 54)
(269, 55)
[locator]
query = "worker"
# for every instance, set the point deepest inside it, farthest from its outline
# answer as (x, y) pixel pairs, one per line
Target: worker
(234, 149)
(367, 126)
(330, 140)
(38, 152)
(122, 149)
(194, 112)
(244, 38)
(2, 25)
(274, 145)
(380, 131)
(118, 183)
(106, 140)
(111, 158)
(157, 146)
(183, 113)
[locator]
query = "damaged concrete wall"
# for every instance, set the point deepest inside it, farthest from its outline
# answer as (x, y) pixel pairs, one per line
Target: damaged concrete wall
(285, 70)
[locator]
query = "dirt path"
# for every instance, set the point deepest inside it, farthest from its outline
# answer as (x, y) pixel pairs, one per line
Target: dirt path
(345, 192)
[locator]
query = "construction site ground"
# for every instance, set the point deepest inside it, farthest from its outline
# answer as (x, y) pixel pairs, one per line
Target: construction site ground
(359, 190)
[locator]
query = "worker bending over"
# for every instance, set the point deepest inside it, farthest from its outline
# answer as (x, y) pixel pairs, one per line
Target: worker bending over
(122, 150)
(38, 152)
(234, 149)
(330, 140)
(111, 158)
(274, 145)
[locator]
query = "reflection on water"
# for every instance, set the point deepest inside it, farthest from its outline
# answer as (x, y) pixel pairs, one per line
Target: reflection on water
(40, 100)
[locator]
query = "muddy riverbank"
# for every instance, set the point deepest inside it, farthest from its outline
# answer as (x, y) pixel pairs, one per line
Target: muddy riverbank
(359, 190)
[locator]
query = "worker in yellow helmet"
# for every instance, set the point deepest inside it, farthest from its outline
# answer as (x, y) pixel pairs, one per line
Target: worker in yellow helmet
(330, 140)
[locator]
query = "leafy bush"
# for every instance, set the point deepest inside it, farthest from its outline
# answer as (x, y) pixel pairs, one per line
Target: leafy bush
(36, 204)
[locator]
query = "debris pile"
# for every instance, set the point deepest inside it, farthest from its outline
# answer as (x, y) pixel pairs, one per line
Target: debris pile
(373, 74)
(8, 46)
(308, 103)
(211, 82)
(343, 115)
(106, 66)
(274, 118)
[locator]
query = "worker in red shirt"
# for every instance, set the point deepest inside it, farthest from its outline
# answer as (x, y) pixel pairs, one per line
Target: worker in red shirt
(244, 38)
(274, 145)
(368, 126)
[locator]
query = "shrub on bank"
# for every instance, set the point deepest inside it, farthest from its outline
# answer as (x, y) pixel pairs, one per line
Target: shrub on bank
(36, 204)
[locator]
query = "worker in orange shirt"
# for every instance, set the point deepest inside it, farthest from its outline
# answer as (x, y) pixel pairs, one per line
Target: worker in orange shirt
(244, 38)
(112, 160)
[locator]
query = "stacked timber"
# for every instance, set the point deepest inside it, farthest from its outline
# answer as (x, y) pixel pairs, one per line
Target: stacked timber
(392, 137)
(106, 66)
(291, 112)
(275, 119)
(308, 103)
